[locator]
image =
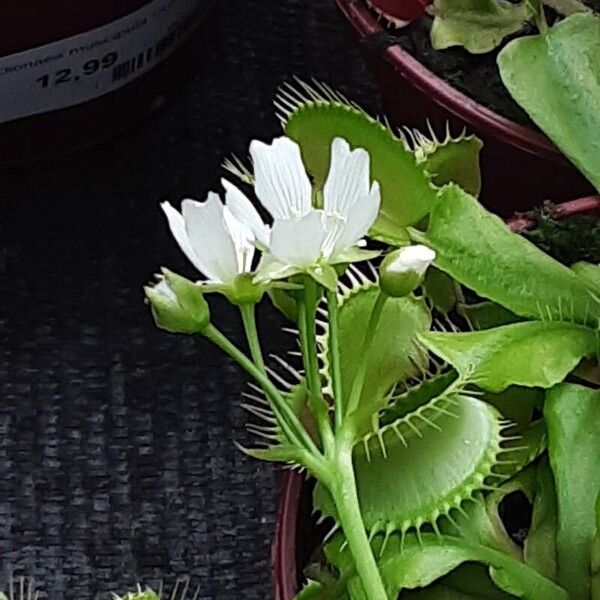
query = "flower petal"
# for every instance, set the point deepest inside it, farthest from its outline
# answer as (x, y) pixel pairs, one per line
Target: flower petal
(358, 220)
(177, 227)
(348, 178)
(298, 243)
(210, 238)
(243, 210)
(243, 239)
(280, 179)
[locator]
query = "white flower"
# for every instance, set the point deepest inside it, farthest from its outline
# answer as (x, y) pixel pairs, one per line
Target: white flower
(415, 258)
(302, 235)
(216, 242)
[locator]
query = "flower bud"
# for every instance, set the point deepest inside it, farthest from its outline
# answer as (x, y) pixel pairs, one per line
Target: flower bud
(402, 270)
(177, 304)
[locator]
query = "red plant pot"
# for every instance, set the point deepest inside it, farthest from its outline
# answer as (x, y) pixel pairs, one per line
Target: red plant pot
(522, 167)
(296, 534)
(74, 72)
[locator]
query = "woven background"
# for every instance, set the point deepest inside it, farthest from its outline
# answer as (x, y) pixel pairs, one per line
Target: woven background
(117, 461)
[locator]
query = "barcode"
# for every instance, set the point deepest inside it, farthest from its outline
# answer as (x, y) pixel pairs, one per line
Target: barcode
(135, 63)
(127, 67)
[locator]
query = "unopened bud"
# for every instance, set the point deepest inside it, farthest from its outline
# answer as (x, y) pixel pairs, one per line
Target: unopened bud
(178, 304)
(402, 270)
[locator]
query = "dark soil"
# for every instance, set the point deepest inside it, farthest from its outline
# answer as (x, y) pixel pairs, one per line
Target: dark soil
(569, 240)
(476, 75)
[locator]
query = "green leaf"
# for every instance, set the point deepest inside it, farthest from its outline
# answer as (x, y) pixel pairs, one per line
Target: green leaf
(539, 550)
(477, 249)
(590, 273)
(516, 403)
(285, 302)
(394, 354)
(446, 449)
(408, 400)
(531, 354)
(595, 566)
(555, 77)
(485, 315)
(316, 590)
(452, 160)
(440, 289)
(477, 25)
(572, 414)
(473, 581)
(406, 192)
(417, 562)
(440, 592)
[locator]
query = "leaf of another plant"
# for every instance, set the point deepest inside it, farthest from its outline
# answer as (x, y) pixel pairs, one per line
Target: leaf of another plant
(531, 354)
(555, 77)
(539, 550)
(477, 249)
(572, 414)
(477, 25)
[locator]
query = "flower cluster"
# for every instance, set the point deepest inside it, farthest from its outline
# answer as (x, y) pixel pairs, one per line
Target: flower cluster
(309, 229)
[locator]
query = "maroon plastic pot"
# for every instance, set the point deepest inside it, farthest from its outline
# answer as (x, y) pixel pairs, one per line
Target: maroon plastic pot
(522, 167)
(296, 534)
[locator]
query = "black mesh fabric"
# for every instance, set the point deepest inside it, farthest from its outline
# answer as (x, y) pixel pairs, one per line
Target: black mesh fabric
(117, 461)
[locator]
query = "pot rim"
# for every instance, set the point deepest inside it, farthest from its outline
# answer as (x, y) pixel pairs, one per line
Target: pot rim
(283, 547)
(468, 110)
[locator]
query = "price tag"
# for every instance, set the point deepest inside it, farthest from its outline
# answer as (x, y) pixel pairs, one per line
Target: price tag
(91, 64)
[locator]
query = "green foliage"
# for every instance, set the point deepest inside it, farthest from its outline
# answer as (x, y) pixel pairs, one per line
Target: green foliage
(494, 358)
(314, 117)
(455, 439)
(454, 159)
(394, 355)
(412, 563)
(555, 77)
(572, 414)
(314, 124)
(476, 248)
(539, 551)
(478, 25)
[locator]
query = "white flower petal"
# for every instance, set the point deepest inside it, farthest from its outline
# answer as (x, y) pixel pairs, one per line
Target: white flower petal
(243, 210)
(177, 227)
(164, 289)
(280, 179)
(299, 243)
(415, 258)
(348, 179)
(243, 239)
(210, 238)
(359, 220)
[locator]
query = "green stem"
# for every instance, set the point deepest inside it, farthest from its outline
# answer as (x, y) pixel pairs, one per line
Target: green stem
(359, 378)
(334, 358)
(308, 341)
(249, 320)
(349, 516)
(286, 419)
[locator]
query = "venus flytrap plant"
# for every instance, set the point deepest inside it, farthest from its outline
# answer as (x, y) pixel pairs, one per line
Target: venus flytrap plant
(414, 430)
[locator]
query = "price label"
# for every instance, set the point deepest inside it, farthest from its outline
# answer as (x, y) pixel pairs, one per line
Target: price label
(88, 65)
